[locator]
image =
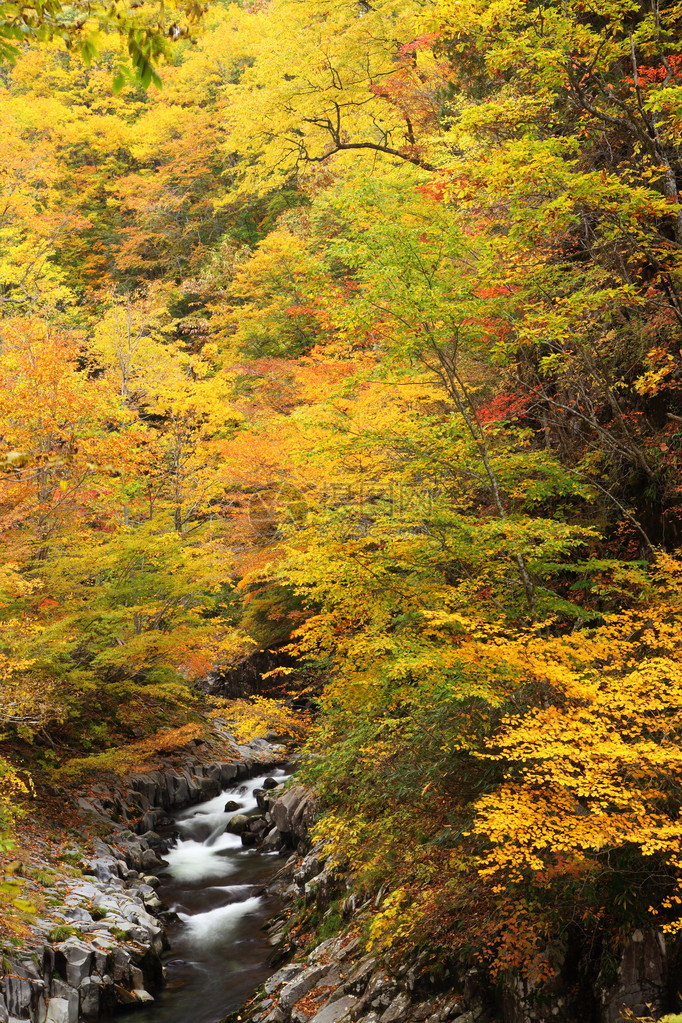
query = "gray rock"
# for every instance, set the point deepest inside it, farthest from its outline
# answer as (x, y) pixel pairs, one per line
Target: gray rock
(76, 913)
(358, 978)
(150, 861)
(153, 902)
(73, 960)
(381, 990)
(289, 810)
(319, 889)
(86, 889)
(422, 1011)
(101, 959)
(178, 788)
(60, 989)
(641, 983)
(209, 787)
(456, 1005)
(336, 1011)
(228, 772)
(142, 996)
(60, 1010)
(121, 967)
(398, 1009)
(22, 995)
(300, 986)
(90, 993)
(311, 865)
(272, 841)
(71, 997)
(282, 976)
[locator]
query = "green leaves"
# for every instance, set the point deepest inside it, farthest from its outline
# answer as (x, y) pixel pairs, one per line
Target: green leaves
(148, 29)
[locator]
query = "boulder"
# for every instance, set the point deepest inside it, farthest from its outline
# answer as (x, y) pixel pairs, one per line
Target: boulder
(60, 1010)
(357, 980)
(272, 841)
(642, 979)
(209, 787)
(121, 965)
(293, 811)
(335, 1011)
(310, 866)
(228, 773)
(150, 861)
(22, 996)
(101, 868)
(263, 798)
(283, 976)
(237, 825)
(381, 990)
(270, 783)
(73, 961)
(142, 997)
(398, 1010)
(300, 986)
(178, 789)
(90, 993)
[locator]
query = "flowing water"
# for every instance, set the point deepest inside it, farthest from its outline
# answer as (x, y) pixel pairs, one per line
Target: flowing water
(215, 885)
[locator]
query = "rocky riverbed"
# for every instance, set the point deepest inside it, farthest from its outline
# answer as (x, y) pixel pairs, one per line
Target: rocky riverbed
(97, 946)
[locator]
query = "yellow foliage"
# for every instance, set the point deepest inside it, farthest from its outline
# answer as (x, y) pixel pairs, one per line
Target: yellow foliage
(259, 715)
(599, 768)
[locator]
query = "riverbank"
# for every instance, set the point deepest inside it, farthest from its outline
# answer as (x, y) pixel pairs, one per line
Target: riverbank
(92, 941)
(98, 943)
(328, 972)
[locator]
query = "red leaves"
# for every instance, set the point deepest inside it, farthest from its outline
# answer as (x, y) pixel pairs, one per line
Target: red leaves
(507, 405)
(657, 74)
(424, 42)
(436, 190)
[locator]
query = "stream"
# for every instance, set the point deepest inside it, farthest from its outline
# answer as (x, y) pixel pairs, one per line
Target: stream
(215, 885)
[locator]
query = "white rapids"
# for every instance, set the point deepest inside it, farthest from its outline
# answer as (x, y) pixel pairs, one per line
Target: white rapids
(213, 926)
(215, 886)
(203, 853)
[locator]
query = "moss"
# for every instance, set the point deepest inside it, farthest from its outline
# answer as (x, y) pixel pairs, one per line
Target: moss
(43, 876)
(61, 933)
(331, 924)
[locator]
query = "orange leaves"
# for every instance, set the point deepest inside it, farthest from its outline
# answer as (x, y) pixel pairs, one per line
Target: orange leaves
(135, 756)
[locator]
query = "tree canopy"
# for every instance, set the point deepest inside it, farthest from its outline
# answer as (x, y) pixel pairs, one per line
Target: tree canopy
(361, 338)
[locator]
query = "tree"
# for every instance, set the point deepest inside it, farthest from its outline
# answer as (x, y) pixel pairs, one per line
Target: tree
(146, 29)
(333, 79)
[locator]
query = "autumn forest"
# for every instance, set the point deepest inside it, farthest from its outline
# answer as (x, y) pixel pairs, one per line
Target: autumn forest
(348, 336)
